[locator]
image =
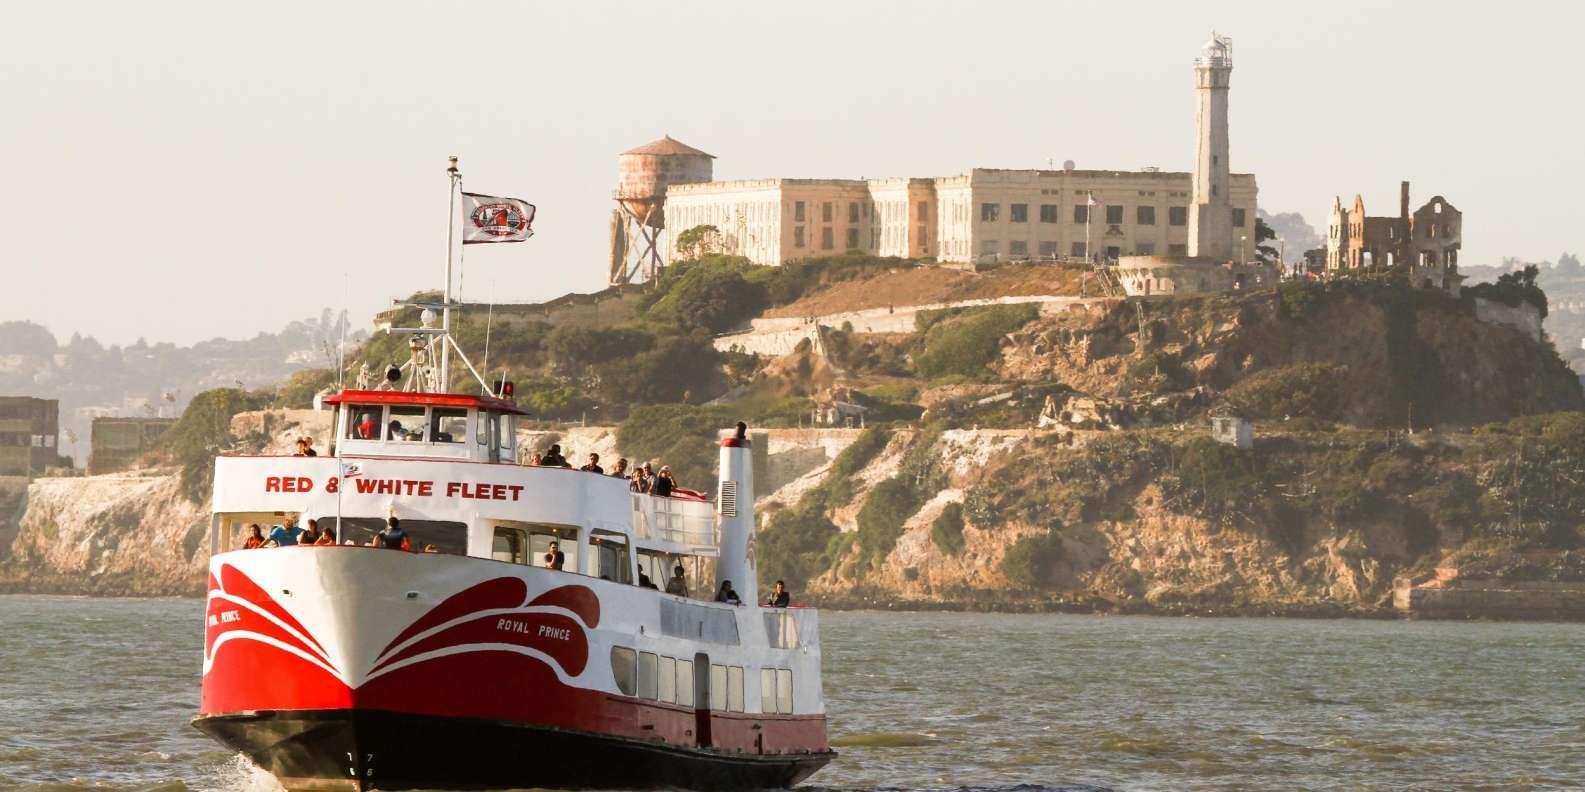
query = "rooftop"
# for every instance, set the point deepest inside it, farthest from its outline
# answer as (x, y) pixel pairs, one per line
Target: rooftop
(666, 147)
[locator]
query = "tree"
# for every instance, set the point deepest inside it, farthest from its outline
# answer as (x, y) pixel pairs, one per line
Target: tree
(711, 295)
(1266, 253)
(700, 241)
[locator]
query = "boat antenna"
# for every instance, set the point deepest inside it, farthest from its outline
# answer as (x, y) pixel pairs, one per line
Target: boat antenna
(489, 318)
(341, 350)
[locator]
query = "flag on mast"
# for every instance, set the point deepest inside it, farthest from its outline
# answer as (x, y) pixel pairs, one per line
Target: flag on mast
(486, 218)
(1094, 200)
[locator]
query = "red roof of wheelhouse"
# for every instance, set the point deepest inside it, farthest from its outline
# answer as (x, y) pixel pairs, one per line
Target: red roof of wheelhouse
(425, 400)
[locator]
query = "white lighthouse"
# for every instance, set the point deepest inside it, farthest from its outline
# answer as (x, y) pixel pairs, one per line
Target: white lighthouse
(1211, 213)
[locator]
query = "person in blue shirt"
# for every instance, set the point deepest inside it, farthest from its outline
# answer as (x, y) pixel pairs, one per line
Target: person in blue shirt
(393, 537)
(284, 535)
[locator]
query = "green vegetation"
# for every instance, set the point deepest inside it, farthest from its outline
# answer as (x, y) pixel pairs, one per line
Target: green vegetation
(801, 541)
(203, 431)
(1512, 289)
(947, 530)
(1158, 372)
(678, 369)
(714, 294)
(1304, 390)
(965, 342)
(1031, 561)
(680, 435)
(881, 519)
(298, 391)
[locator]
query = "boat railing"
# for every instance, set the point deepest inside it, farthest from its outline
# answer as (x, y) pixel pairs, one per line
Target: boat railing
(676, 520)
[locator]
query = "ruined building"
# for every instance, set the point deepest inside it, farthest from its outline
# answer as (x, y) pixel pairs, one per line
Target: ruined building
(1426, 241)
(29, 435)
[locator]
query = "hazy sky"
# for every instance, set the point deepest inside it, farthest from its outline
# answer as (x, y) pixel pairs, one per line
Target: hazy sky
(179, 171)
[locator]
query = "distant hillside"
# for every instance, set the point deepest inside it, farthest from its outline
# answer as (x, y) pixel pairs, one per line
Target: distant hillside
(91, 379)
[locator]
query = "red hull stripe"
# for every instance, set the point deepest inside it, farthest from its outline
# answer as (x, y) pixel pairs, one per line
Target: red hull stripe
(497, 594)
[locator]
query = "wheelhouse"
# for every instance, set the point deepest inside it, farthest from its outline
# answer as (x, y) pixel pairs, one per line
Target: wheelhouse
(431, 425)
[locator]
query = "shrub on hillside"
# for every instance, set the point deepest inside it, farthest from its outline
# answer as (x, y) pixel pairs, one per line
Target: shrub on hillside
(680, 435)
(794, 546)
(1158, 372)
(947, 530)
(545, 398)
(573, 347)
(297, 393)
(711, 294)
(203, 431)
(881, 519)
(1031, 562)
(1305, 390)
(965, 344)
(678, 369)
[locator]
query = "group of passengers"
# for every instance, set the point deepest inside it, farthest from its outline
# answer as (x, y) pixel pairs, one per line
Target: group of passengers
(289, 534)
(642, 479)
(305, 447)
(779, 597)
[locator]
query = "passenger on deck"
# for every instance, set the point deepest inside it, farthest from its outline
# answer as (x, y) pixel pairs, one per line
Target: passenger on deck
(641, 478)
(366, 427)
(310, 536)
(536, 459)
(553, 458)
(779, 596)
(393, 537)
(285, 535)
(663, 483)
(620, 471)
(594, 464)
(256, 540)
(645, 582)
(727, 594)
(554, 558)
(327, 536)
(308, 447)
(677, 584)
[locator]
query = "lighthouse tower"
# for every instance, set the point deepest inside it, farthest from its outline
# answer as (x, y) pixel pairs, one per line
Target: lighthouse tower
(1211, 214)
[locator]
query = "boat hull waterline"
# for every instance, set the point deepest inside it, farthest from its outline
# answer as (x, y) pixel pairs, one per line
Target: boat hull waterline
(357, 668)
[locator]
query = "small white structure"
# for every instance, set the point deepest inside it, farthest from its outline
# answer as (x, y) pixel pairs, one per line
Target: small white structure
(1233, 430)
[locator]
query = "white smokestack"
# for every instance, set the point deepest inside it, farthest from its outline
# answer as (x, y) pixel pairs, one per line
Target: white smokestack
(735, 505)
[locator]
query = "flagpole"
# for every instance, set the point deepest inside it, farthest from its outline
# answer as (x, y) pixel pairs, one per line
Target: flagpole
(445, 311)
(1089, 209)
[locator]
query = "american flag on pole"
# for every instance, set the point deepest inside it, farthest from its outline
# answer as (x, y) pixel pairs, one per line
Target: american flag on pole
(1093, 200)
(486, 218)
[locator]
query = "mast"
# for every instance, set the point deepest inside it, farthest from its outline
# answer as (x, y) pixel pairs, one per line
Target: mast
(455, 177)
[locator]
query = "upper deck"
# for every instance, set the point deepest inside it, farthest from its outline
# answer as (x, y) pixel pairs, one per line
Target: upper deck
(451, 459)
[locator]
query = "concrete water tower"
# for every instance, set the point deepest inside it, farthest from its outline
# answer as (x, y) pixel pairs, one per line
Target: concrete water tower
(638, 222)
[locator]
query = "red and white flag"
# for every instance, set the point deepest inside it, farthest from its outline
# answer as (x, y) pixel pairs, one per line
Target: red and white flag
(486, 218)
(1094, 200)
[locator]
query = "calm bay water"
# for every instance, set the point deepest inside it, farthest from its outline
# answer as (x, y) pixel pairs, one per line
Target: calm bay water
(96, 693)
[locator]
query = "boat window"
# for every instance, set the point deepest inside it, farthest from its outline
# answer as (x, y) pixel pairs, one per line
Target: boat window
(539, 539)
(734, 688)
(656, 565)
(608, 557)
(717, 687)
(784, 697)
(509, 438)
(666, 680)
(624, 667)
(364, 422)
(406, 424)
(767, 690)
(648, 669)
(685, 683)
(482, 429)
(450, 538)
(450, 425)
(510, 545)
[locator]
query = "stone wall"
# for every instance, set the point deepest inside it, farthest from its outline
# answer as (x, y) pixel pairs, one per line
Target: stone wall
(1491, 600)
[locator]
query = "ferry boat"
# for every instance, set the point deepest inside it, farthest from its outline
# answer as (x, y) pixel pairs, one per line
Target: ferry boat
(467, 663)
